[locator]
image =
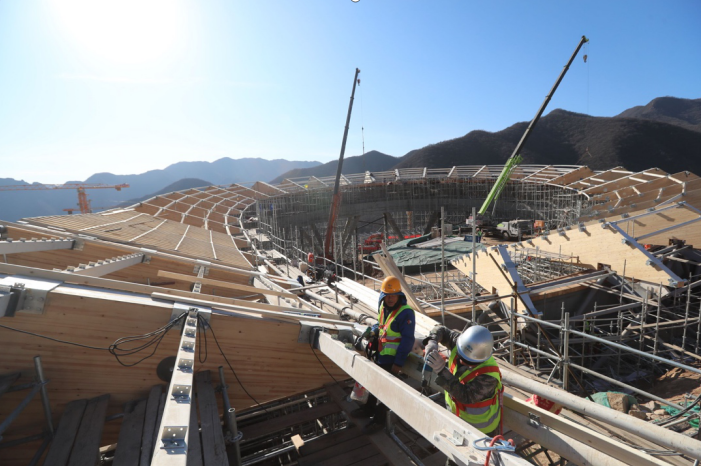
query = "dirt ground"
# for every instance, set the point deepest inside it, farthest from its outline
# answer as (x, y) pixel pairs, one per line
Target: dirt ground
(677, 383)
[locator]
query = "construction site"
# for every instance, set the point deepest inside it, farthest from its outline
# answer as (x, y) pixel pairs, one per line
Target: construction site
(229, 325)
(602, 299)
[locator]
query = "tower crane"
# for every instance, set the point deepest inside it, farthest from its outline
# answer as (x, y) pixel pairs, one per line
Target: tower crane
(83, 201)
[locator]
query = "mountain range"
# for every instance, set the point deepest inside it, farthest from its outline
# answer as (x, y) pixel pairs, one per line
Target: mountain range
(665, 133)
(18, 204)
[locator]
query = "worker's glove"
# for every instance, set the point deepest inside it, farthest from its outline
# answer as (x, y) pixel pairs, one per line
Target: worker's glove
(432, 345)
(435, 361)
(367, 333)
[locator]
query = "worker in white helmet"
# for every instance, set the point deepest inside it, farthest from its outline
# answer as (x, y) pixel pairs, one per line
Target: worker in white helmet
(471, 378)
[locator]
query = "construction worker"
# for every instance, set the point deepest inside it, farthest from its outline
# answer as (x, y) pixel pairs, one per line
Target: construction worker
(395, 330)
(478, 235)
(471, 379)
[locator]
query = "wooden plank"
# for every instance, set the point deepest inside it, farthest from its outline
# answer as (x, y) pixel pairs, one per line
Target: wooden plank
(65, 433)
(87, 443)
(376, 460)
(149, 424)
(222, 284)
(130, 435)
(436, 459)
(382, 441)
(388, 266)
(154, 437)
(6, 381)
(194, 446)
(339, 450)
(150, 416)
(329, 440)
(213, 446)
(297, 442)
(283, 422)
(98, 321)
(358, 455)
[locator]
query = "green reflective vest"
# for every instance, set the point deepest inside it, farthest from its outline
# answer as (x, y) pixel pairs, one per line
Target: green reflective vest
(485, 415)
(389, 339)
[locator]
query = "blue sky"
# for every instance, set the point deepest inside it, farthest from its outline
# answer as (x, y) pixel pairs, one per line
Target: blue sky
(128, 86)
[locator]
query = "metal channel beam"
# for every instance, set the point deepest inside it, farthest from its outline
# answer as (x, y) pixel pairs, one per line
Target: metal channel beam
(107, 266)
(447, 432)
(576, 443)
(171, 445)
(15, 247)
(674, 280)
(513, 274)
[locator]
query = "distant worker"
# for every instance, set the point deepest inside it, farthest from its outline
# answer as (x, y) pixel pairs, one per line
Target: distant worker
(471, 380)
(395, 331)
(478, 235)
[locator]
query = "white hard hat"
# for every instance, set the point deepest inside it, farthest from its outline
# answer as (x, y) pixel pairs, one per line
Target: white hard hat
(475, 344)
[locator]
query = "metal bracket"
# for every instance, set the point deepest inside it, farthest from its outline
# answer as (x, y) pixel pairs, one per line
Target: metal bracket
(31, 294)
(182, 308)
(173, 438)
(457, 439)
(181, 392)
(533, 420)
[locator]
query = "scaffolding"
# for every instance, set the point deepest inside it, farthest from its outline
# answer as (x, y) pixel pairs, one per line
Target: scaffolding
(413, 203)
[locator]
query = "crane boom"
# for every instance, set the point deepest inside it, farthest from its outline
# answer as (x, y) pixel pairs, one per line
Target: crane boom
(515, 158)
(336, 199)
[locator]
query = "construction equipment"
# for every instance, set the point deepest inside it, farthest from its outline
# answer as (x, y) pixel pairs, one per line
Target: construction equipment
(336, 200)
(83, 201)
(515, 158)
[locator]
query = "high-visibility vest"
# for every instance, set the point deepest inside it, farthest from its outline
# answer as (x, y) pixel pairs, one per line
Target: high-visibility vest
(389, 339)
(485, 415)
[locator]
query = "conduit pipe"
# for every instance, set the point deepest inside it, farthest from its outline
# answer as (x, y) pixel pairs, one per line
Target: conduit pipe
(343, 310)
(646, 430)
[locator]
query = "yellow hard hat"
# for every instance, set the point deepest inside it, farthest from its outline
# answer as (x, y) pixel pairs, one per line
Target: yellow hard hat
(391, 285)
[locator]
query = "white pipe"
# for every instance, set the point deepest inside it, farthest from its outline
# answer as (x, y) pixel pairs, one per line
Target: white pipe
(646, 430)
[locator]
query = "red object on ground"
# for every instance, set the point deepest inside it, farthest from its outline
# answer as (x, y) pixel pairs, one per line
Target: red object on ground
(545, 404)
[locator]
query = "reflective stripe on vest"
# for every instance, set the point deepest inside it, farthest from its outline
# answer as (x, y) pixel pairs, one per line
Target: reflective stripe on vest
(389, 339)
(486, 414)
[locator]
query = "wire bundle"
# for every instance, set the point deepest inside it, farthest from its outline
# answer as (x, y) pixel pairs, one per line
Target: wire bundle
(152, 338)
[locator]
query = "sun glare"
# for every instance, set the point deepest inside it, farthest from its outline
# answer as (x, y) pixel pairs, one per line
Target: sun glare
(124, 31)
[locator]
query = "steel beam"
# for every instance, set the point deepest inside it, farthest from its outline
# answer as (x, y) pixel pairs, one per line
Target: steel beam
(107, 266)
(34, 245)
(553, 432)
(447, 432)
(651, 432)
(172, 441)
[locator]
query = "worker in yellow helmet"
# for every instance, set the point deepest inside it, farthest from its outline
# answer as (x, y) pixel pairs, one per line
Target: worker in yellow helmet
(395, 332)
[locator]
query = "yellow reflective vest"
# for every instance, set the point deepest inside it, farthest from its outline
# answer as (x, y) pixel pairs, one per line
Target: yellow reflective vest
(485, 415)
(389, 340)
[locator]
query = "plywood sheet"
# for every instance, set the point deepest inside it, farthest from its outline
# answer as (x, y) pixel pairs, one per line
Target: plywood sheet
(252, 345)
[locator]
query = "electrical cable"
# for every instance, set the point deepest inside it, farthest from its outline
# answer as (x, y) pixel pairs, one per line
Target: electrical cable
(54, 339)
(202, 330)
(680, 413)
(206, 325)
(311, 336)
(155, 339)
